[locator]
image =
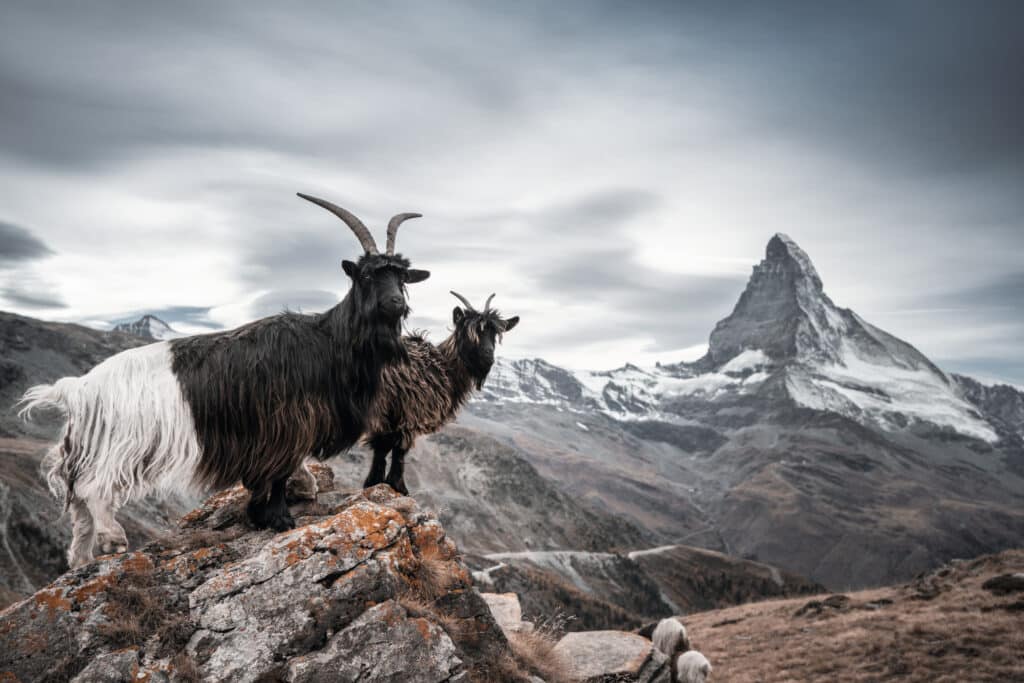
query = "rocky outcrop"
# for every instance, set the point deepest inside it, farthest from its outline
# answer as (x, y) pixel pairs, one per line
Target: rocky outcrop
(605, 656)
(368, 588)
(34, 535)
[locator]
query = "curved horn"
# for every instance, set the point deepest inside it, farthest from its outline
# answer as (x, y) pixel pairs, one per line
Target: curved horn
(469, 306)
(487, 306)
(362, 233)
(393, 229)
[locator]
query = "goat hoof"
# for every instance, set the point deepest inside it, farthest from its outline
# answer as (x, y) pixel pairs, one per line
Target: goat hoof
(282, 522)
(113, 548)
(110, 545)
(399, 486)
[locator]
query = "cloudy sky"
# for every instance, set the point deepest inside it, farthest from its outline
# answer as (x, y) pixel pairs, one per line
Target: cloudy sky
(611, 170)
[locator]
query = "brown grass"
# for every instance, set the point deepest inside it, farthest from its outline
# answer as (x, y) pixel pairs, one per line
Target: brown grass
(184, 669)
(535, 650)
(959, 633)
(434, 575)
(138, 608)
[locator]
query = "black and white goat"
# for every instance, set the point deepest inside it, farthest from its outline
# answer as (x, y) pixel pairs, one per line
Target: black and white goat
(422, 394)
(245, 405)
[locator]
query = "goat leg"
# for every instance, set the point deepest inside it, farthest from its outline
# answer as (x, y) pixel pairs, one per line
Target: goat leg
(396, 476)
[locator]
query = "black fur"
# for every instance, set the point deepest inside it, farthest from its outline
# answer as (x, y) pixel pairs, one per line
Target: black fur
(269, 393)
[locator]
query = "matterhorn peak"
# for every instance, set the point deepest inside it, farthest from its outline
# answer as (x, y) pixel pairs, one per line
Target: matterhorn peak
(783, 311)
(782, 248)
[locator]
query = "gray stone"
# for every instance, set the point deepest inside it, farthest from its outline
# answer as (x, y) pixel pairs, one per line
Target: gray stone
(598, 656)
(384, 644)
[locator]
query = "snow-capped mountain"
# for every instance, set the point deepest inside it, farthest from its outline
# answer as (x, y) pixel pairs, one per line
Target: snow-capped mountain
(148, 327)
(806, 438)
(784, 332)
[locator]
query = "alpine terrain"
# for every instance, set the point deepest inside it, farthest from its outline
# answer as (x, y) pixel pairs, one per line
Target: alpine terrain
(806, 438)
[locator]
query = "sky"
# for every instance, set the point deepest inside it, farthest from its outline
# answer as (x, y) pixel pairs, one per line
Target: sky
(611, 170)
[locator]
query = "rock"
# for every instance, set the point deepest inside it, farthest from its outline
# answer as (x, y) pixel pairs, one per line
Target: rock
(506, 610)
(1005, 583)
(367, 587)
(384, 643)
(830, 605)
(599, 656)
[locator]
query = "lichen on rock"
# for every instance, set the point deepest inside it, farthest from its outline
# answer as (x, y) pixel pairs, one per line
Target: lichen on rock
(367, 587)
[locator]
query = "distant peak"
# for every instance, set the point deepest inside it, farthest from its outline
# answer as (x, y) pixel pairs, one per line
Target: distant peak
(147, 327)
(782, 247)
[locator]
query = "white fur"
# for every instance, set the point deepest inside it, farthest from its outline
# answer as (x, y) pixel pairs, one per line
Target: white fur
(670, 637)
(692, 667)
(131, 432)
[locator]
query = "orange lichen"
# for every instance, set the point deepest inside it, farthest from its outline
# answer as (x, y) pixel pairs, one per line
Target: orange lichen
(424, 628)
(100, 584)
(53, 600)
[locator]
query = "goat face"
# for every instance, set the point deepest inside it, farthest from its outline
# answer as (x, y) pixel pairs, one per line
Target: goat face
(478, 333)
(379, 282)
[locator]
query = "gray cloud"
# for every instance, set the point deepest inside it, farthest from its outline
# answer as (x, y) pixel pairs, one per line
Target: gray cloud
(36, 298)
(18, 244)
(541, 141)
(302, 301)
(676, 310)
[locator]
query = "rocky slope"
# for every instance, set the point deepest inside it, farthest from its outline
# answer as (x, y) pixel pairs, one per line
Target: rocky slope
(960, 622)
(624, 591)
(34, 351)
(368, 587)
(806, 438)
(33, 533)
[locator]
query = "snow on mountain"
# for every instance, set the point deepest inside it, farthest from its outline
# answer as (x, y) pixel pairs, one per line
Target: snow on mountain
(148, 327)
(783, 326)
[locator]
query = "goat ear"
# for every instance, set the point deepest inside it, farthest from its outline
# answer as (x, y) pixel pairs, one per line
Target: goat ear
(412, 275)
(350, 269)
(510, 323)
(457, 315)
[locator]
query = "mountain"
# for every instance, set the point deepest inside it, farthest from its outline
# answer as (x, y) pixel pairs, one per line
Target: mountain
(148, 327)
(806, 438)
(34, 351)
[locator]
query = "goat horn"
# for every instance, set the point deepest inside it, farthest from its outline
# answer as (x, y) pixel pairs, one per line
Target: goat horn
(469, 306)
(393, 229)
(487, 306)
(362, 233)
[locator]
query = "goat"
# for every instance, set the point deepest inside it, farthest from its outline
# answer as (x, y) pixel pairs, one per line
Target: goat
(422, 394)
(669, 636)
(245, 405)
(692, 667)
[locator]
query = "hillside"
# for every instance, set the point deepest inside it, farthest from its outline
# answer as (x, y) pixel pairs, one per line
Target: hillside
(807, 438)
(35, 351)
(944, 626)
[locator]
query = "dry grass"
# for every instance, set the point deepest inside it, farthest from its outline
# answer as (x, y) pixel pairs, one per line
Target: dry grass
(434, 576)
(535, 650)
(138, 608)
(184, 669)
(959, 633)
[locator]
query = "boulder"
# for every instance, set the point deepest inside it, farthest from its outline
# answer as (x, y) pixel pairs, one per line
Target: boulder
(1005, 583)
(507, 612)
(367, 587)
(605, 656)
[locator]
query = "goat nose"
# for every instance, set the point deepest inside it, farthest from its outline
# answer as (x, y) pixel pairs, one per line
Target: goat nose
(397, 301)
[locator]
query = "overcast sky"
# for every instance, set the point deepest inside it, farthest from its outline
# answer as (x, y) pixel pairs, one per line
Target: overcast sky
(611, 170)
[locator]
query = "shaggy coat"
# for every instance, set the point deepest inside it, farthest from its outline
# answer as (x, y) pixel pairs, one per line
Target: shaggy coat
(424, 393)
(692, 667)
(669, 637)
(245, 405)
